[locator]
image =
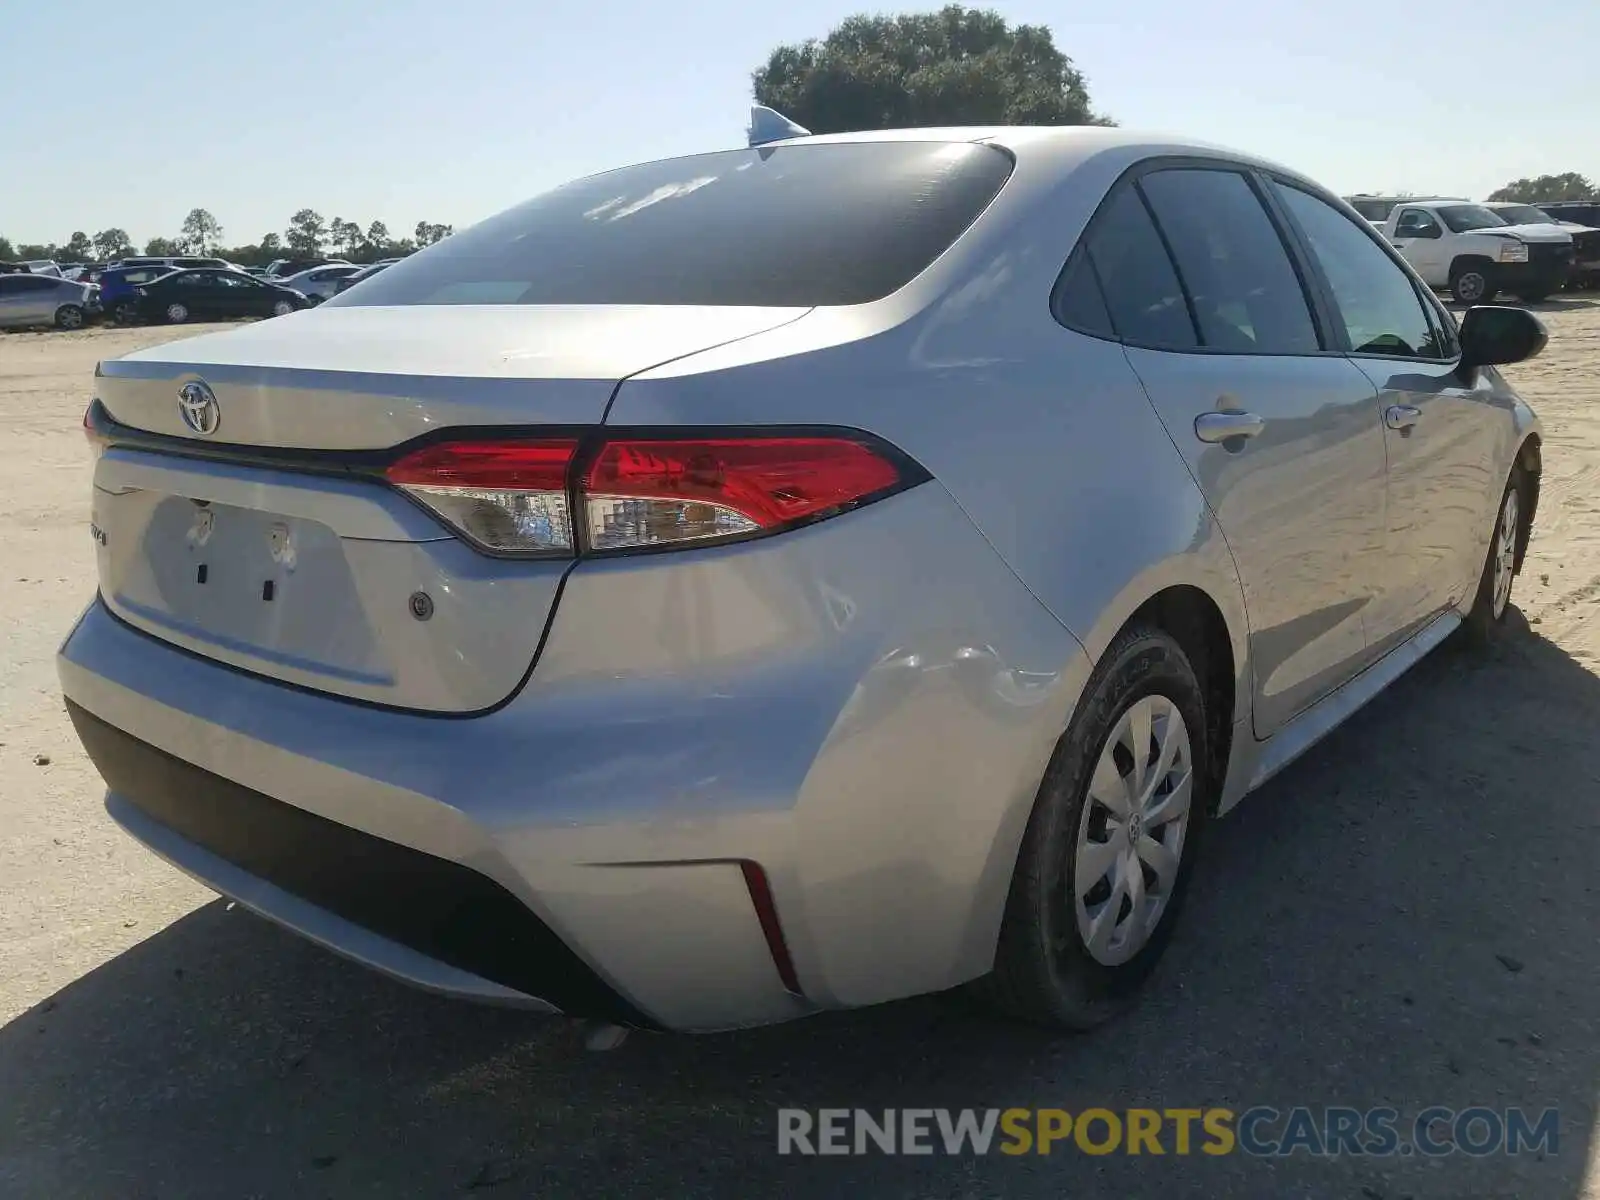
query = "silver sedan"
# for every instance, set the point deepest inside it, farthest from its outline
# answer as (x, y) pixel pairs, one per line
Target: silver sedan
(790, 578)
(319, 283)
(31, 300)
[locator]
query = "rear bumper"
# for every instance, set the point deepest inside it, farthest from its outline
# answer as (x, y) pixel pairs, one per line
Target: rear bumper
(804, 703)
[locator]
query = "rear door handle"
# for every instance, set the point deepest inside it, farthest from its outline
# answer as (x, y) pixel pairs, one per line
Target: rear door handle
(1401, 417)
(1225, 426)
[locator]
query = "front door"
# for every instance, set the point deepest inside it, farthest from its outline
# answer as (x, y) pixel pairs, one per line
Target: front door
(1441, 426)
(1282, 434)
(1420, 237)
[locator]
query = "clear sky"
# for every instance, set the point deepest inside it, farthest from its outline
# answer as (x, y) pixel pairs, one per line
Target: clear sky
(131, 113)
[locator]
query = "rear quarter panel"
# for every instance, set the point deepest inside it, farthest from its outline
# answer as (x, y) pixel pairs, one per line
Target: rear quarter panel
(1044, 437)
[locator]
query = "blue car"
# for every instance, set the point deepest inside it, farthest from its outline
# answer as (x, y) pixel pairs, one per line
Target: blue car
(118, 290)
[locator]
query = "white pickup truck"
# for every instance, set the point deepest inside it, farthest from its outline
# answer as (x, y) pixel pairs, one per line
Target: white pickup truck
(1473, 252)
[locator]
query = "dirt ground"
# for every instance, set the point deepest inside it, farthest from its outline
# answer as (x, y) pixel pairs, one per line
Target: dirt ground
(1407, 917)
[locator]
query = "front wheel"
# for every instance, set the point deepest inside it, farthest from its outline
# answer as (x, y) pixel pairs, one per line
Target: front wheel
(1106, 858)
(1472, 285)
(69, 316)
(282, 308)
(125, 314)
(1493, 601)
(177, 313)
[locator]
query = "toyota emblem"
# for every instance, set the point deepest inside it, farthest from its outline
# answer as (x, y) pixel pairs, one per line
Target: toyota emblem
(197, 405)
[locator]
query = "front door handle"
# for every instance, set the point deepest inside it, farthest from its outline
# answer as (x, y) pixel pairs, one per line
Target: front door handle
(1225, 426)
(1401, 417)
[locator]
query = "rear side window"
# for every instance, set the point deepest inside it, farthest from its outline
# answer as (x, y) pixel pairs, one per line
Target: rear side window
(1246, 295)
(1141, 289)
(780, 225)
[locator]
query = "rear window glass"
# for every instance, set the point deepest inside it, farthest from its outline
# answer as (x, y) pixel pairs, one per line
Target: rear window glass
(782, 225)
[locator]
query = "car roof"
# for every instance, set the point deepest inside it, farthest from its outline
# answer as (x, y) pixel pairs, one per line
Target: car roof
(1059, 147)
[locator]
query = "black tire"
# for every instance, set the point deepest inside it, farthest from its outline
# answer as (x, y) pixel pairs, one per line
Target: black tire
(177, 313)
(1043, 971)
(125, 314)
(1473, 283)
(69, 316)
(1536, 296)
(1483, 624)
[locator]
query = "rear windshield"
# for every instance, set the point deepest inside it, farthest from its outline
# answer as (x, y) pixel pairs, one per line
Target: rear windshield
(782, 225)
(1523, 214)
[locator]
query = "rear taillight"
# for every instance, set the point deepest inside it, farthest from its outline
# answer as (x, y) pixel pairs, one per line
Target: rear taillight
(649, 493)
(634, 493)
(509, 497)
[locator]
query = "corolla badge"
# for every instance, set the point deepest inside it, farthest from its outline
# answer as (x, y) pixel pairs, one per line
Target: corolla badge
(197, 405)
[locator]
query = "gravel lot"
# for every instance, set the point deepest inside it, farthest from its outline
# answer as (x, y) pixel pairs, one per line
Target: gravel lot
(1407, 917)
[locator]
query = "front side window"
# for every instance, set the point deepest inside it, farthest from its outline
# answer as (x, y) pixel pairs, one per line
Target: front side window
(1415, 222)
(784, 226)
(1246, 295)
(1378, 305)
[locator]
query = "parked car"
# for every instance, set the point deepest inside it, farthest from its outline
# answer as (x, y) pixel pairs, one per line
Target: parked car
(174, 261)
(30, 299)
(1475, 253)
(582, 616)
(119, 289)
(43, 266)
(282, 268)
(319, 283)
(1582, 220)
(1375, 208)
(213, 295)
(367, 272)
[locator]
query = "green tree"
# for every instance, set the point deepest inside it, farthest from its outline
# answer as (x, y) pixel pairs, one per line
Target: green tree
(378, 238)
(271, 244)
(428, 233)
(113, 243)
(78, 248)
(306, 233)
(345, 235)
(163, 247)
(201, 233)
(32, 251)
(8, 252)
(1545, 189)
(958, 66)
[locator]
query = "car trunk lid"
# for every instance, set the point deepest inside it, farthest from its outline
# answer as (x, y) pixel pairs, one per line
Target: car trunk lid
(270, 543)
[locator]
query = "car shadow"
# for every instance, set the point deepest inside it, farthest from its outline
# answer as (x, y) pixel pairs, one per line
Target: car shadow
(1405, 918)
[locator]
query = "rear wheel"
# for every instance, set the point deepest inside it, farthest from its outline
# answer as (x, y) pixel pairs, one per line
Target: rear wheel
(1472, 283)
(1106, 858)
(177, 313)
(282, 308)
(1536, 296)
(69, 316)
(125, 313)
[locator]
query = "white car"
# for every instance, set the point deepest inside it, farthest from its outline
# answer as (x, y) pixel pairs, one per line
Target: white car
(319, 283)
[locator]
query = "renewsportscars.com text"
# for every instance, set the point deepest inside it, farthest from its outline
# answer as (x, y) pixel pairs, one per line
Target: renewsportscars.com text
(1261, 1131)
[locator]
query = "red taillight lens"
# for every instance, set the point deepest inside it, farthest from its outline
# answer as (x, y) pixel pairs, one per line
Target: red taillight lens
(649, 492)
(637, 493)
(509, 497)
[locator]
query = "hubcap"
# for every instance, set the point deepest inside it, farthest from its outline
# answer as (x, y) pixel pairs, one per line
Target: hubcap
(71, 319)
(1505, 553)
(1471, 286)
(177, 312)
(1131, 833)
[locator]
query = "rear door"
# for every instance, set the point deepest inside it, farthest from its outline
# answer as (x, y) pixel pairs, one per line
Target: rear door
(1443, 428)
(1281, 433)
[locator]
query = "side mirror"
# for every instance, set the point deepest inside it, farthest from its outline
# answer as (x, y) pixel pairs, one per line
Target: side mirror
(1493, 335)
